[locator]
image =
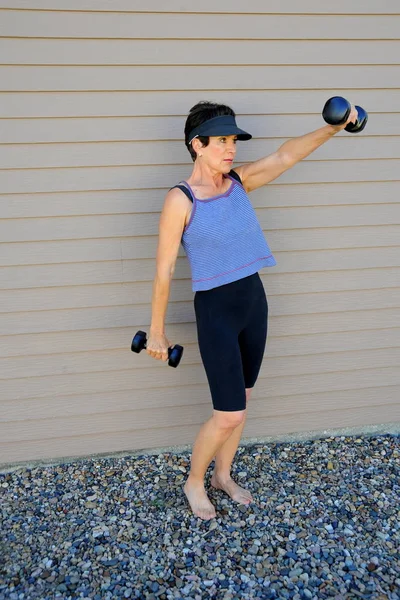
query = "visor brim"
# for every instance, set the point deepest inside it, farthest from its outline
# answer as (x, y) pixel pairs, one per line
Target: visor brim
(226, 130)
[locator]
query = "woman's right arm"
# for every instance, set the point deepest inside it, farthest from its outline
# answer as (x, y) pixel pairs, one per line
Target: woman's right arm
(171, 226)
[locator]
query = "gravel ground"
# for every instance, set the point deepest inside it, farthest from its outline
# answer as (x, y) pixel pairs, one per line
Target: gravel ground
(325, 524)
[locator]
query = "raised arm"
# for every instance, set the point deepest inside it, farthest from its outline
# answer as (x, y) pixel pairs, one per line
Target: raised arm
(264, 170)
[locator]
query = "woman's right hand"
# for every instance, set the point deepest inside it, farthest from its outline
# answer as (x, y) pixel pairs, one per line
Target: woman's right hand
(157, 346)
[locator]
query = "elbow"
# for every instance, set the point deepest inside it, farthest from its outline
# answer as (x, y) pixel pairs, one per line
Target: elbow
(287, 160)
(165, 273)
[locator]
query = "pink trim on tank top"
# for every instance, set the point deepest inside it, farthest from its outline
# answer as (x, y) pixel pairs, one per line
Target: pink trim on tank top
(228, 191)
(238, 269)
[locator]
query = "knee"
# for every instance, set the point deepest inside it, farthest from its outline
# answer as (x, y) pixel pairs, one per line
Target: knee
(229, 420)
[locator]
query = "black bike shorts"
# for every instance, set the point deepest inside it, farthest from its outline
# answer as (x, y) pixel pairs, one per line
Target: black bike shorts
(232, 333)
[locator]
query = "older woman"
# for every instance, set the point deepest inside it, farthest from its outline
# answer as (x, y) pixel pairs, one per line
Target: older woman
(211, 215)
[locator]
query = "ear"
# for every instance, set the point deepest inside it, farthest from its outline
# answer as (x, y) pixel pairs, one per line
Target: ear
(197, 145)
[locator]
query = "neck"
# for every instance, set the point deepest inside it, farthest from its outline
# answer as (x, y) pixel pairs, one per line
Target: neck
(203, 175)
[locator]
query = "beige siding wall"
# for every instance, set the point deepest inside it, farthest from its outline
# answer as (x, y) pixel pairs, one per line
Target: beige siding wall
(93, 98)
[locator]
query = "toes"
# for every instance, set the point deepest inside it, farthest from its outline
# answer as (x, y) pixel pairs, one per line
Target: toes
(244, 497)
(243, 500)
(210, 516)
(206, 515)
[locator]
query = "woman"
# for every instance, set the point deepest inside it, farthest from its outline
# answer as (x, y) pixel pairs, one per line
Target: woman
(211, 215)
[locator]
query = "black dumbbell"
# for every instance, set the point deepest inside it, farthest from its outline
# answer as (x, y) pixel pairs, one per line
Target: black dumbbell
(139, 342)
(336, 112)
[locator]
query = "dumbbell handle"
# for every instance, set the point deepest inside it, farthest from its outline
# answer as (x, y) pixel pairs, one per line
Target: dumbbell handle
(174, 361)
(170, 348)
(139, 343)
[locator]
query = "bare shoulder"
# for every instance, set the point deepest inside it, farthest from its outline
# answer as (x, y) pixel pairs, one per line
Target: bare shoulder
(260, 172)
(176, 197)
(176, 207)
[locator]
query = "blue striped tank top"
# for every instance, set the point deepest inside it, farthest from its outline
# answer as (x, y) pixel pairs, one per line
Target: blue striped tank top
(223, 240)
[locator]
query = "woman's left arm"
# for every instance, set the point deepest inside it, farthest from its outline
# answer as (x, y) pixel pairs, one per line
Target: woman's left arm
(264, 170)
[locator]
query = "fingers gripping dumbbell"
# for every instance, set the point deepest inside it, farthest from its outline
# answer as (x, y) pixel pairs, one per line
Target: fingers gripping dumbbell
(336, 112)
(139, 343)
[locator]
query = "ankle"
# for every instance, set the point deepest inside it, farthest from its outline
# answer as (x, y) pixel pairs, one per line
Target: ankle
(222, 476)
(192, 480)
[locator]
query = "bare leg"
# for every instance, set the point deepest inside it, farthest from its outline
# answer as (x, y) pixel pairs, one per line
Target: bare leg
(211, 437)
(221, 478)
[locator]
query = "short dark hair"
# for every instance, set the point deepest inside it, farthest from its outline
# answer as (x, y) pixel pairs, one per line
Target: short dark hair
(198, 114)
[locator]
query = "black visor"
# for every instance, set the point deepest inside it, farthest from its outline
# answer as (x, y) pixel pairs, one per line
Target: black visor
(224, 125)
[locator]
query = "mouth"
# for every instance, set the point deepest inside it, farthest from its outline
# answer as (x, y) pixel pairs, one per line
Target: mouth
(230, 160)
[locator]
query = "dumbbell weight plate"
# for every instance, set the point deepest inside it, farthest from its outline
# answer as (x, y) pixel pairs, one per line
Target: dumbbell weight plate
(175, 355)
(360, 123)
(139, 342)
(336, 110)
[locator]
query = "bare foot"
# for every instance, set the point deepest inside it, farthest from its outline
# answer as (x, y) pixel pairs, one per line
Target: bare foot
(237, 493)
(198, 500)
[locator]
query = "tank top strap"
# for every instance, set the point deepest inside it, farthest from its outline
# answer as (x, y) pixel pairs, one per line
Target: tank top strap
(185, 190)
(235, 176)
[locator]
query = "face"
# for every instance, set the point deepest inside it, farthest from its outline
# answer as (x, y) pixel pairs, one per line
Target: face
(220, 152)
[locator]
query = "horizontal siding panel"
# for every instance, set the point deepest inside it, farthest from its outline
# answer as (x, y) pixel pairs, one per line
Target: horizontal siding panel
(337, 259)
(106, 249)
(294, 304)
(120, 294)
(280, 304)
(22, 156)
(109, 423)
(112, 362)
(73, 405)
(20, 277)
(112, 129)
(70, 405)
(85, 296)
(150, 200)
(329, 302)
(368, 414)
(144, 270)
(130, 315)
(328, 216)
(105, 226)
(139, 419)
(78, 445)
(19, 51)
(317, 194)
(169, 103)
(87, 78)
(116, 178)
(209, 6)
(74, 341)
(185, 334)
(137, 380)
(50, 24)
(89, 250)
